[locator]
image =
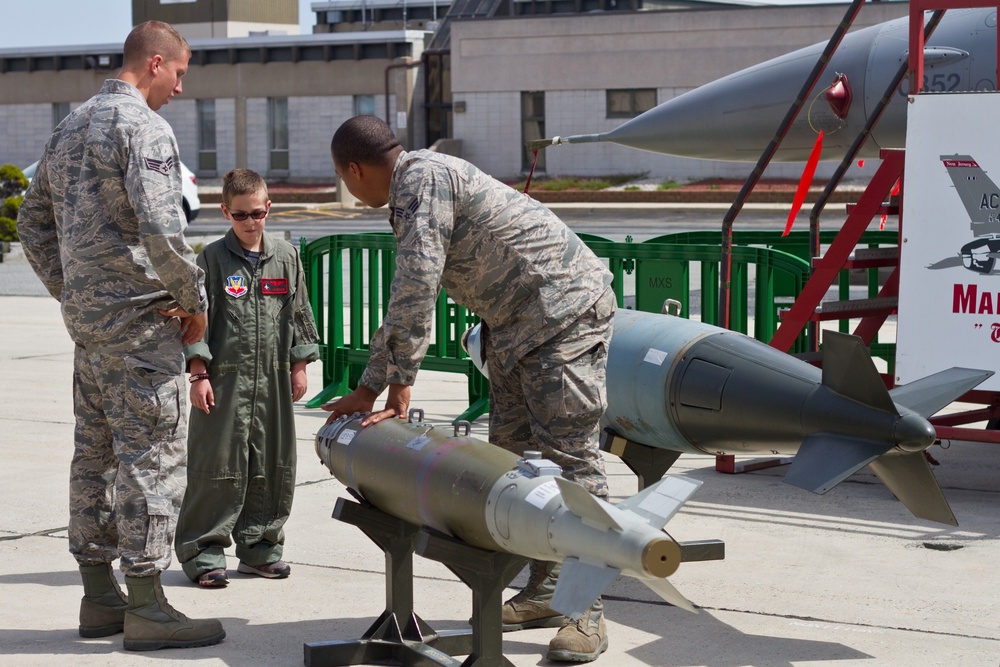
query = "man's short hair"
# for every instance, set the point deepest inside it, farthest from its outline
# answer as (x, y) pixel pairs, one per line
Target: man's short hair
(154, 38)
(242, 182)
(364, 140)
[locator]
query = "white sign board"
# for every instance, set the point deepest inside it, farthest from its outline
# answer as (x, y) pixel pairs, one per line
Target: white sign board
(949, 288)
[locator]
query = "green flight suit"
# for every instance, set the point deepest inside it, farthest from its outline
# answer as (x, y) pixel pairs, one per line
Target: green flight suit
(241, 456)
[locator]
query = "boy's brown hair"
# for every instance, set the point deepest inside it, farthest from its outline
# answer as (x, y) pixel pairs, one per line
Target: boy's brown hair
(242, 182)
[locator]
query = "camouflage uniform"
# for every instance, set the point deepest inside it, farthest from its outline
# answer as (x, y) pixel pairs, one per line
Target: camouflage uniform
(241, 460)
(103, 227)
(543, 295)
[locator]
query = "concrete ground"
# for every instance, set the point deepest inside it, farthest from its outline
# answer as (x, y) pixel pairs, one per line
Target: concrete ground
(849, 578)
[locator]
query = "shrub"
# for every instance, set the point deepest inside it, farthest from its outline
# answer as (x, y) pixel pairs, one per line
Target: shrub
(10, 207)
(12, 181)
(8, 229)
(669, 185)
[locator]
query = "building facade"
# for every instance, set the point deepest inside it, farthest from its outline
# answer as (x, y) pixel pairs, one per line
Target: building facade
(271, 102)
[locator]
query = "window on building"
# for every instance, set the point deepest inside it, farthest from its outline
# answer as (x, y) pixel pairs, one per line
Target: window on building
(364, 105)
(630, 102)
(438, 102)
(532, 128)
(277, 129)
(207, 156)
(59, 111)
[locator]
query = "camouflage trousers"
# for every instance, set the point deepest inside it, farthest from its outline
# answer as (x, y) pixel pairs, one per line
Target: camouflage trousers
(552, 400)
(128, 472)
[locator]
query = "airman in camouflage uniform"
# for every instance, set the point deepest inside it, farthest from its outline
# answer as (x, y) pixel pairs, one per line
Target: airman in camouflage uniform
(103, 227)
(546, 304)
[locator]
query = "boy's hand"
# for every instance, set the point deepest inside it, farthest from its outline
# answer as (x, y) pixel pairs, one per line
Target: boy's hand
(202, 396)
(300, 382)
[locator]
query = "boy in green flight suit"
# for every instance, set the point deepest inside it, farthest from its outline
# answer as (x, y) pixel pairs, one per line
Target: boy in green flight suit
(245, 374)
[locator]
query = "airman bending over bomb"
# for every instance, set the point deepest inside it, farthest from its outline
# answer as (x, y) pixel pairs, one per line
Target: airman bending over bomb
(103, 227)
(546, 305)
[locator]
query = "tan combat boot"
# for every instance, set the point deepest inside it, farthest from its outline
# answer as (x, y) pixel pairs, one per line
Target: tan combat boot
(151, 623)
(582, 640)
(102, 610)
(530, 608)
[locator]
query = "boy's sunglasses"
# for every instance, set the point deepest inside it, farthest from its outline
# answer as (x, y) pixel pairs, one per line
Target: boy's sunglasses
(240, 216)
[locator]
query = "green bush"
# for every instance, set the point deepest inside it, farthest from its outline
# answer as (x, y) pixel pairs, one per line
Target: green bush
(669, 185)
(12, 181)
(8, 229)
(10, 207)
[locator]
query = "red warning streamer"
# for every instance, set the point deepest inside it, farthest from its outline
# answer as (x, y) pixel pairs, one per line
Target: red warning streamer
(532, 172)
(804, 182)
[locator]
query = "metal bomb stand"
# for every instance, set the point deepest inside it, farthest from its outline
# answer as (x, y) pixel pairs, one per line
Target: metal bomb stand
(399, 636)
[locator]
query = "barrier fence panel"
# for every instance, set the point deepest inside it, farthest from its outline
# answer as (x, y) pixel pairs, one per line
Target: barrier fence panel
(785, 290)
(349, 301)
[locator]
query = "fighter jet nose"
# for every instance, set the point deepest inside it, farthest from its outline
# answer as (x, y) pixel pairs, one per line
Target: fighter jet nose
(913, 433)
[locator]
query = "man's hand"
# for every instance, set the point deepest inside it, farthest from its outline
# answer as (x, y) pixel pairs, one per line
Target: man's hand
(363, 399)
(360, 400)
(397, 404)
(192, 326)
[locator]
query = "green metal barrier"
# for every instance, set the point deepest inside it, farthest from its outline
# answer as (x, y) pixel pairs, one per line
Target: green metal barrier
(662, 270)
(349, 278)
(785, 290)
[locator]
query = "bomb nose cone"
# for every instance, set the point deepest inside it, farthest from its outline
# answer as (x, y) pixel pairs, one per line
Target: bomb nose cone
(913, 433)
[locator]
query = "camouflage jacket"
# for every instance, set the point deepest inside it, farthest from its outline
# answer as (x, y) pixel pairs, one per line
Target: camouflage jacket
(493, 249)
(102, 223)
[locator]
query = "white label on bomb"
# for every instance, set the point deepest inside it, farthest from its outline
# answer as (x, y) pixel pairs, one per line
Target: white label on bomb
(345, 437)
(655, 357)
(542, 493)
(418, 442)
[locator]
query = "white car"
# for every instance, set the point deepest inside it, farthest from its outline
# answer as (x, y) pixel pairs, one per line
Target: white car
(189, 189)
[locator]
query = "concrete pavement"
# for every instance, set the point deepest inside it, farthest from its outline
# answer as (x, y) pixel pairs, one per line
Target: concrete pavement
(849, 578)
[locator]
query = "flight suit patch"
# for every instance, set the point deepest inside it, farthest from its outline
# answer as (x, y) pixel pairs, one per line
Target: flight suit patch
(273, 286)
(236, 286)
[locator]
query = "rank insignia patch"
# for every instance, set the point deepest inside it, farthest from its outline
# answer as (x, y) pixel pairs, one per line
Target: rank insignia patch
(269, 286)
(236, 286)
(160, 166)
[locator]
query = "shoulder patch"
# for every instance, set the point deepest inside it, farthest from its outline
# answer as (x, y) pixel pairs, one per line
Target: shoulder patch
(160, 166)
(236, 286)
(407, 212)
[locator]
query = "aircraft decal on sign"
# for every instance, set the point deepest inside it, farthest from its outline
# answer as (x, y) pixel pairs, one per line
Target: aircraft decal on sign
(981, 198)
